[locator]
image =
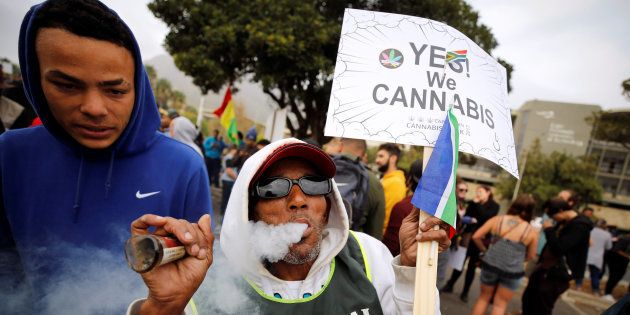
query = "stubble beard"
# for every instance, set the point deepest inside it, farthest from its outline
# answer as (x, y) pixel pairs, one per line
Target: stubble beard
(294, 258)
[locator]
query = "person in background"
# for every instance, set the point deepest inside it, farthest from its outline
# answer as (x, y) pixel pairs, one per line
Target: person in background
(393, 179)
(600, 242)
(262, 143)
(333, 146)
(367, 213)
(617, 261)
(199, 139)
(570, 196)
(165, 122)
(183, 130)
(460, 239)
(240, 143)
(513, 242)
(481, 209)
(402, 209)
(567, 244)
(230, 172)
(250, 138)
(213, 148)
(589, 213)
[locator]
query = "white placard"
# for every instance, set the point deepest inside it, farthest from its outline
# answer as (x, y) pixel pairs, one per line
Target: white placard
(457, 257)
(396, 75)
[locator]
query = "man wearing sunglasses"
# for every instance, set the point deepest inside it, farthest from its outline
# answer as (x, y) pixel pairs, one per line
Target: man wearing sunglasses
(330, 270)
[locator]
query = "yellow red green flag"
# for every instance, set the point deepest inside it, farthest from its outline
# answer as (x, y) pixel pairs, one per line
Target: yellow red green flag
(227, 117)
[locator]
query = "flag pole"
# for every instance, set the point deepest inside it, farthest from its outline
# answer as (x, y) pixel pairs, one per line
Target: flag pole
(426, 263)
(200, 113)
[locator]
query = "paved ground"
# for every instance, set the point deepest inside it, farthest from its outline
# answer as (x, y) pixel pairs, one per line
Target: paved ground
(452, 305)
(571, 302)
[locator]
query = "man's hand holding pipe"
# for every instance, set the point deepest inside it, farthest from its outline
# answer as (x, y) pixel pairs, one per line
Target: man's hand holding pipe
(172, 285)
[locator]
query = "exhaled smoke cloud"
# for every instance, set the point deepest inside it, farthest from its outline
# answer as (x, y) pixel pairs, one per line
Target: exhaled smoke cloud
(88, 280)
(272, 242)
(84, 280)
(224, 290)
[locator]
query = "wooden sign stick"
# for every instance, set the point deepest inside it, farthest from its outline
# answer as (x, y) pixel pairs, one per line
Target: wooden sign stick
(426, 264)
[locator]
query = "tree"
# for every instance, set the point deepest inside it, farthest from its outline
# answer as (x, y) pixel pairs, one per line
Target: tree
(289, 46)
(178, 100)
(163, 92)
(611, 126)
(546, 175)
(152, 74)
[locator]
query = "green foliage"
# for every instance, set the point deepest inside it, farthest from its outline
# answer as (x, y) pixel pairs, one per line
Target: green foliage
(152, 74)
(289, 46)
(625, 85)
(546, 175)
(407, 157)
(611, 126)
(163, 92)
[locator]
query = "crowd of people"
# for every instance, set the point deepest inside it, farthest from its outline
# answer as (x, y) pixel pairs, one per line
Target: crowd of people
(104, 156)
(558, 249)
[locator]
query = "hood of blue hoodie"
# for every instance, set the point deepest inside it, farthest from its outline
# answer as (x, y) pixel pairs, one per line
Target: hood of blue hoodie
(143, 124)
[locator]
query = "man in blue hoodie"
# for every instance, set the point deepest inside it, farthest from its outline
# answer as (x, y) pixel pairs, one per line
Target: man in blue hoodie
(98, 161)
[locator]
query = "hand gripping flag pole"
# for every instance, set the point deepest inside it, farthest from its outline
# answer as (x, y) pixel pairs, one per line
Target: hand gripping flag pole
(435, 196)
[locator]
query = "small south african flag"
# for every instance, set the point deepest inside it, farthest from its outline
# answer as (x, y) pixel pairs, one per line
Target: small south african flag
(456, 56)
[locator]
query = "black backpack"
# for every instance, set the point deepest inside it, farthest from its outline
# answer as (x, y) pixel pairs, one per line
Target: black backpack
(353, 184)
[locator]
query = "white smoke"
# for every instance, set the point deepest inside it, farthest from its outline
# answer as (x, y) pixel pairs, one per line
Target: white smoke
(85, 280)
(224, 290)
(271, 242)
(89, 280)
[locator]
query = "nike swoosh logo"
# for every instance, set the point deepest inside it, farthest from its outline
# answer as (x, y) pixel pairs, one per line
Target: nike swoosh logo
(141, 196)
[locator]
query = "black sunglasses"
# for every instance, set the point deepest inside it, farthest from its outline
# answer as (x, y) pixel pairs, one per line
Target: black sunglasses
(278, 187)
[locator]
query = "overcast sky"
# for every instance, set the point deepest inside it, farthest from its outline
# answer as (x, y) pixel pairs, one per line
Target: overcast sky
(562, 50)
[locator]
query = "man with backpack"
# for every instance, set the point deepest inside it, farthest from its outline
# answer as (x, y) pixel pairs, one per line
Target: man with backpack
(359, 188)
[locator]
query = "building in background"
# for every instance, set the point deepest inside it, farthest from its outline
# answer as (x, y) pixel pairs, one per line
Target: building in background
(559, 126)
(563, 127)
(613, 170)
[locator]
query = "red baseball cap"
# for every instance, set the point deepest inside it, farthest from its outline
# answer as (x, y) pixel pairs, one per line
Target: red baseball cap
(322, 161)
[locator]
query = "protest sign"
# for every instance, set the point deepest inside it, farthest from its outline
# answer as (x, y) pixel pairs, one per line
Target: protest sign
(396, 76)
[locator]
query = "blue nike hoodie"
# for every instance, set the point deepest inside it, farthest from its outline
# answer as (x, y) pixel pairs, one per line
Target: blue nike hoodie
(55, 192)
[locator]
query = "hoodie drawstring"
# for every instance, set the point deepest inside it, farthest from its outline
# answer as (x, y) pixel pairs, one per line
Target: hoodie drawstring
(108, 182)
(77, 205)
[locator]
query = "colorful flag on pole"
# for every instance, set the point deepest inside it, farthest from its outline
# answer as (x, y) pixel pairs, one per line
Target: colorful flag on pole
(435, 193)
(457, 55)
(227, 117)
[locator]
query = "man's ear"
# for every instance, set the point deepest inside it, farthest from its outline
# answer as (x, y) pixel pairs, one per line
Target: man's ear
(393, 159)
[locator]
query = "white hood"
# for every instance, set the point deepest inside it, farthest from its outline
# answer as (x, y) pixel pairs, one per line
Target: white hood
(234, 241)
(184, 131)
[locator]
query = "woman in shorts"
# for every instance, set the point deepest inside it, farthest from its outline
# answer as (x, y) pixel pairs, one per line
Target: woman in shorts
(514, 241)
